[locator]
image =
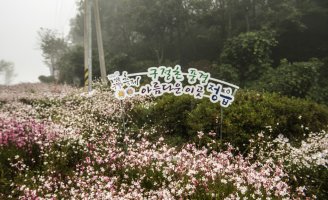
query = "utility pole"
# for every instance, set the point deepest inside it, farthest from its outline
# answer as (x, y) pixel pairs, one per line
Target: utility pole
(87, 45)
(100, 42)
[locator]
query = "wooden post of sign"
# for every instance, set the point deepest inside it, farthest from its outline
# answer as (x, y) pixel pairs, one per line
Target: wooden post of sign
(221, 123)
(123, 115)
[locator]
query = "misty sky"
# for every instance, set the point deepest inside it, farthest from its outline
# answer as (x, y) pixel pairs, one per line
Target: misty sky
(20, 21)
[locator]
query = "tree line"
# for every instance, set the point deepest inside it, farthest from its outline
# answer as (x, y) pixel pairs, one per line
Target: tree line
(274, 45)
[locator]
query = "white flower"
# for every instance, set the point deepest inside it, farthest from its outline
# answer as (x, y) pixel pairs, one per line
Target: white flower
(243, 189)
(200, 134)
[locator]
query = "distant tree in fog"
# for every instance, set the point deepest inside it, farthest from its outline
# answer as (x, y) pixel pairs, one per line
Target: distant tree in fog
(7, 71)
(53, 48)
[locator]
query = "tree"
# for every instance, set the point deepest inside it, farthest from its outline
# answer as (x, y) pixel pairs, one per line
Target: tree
(53, 48)
(248, 53)
(156, 32)
(71, 67)
(7, 68)
(307, 38)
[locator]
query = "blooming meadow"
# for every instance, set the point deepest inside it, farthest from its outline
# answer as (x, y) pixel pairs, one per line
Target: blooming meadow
(58, 142)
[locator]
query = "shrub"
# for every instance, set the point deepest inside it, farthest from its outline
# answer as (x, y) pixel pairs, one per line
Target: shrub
(298, 79)
(169, 114)
(2, 103)
(47, 79)
(7, 173)
(252, 112)
(249, 114)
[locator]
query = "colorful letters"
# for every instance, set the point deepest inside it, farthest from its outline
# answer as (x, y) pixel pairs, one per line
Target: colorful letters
(172, 80)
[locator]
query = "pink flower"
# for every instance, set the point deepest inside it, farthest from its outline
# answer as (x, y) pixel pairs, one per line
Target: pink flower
(212, 133)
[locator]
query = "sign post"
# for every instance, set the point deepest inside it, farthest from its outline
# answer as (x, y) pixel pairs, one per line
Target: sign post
(196, 83)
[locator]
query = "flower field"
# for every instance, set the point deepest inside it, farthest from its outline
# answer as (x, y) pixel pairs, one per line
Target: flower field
(58, 142)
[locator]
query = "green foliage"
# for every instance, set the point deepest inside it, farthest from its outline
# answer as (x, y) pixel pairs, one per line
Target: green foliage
(247, 52)
(303, 35)
(315, 178)
(249, 48)
(251, 113)
(138, 34)
(6, 172)
(225, 72)
(71, 67)
(2, 102)
(299, 79)
(319, 91)
(169, 114)
(11, 154)
(53, 48)
(119, 60)
(46, 79)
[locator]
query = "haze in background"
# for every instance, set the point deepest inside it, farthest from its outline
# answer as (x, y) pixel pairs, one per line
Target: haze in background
(20, 21)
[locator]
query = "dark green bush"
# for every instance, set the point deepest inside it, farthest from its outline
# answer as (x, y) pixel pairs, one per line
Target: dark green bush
(251, 113)
(30, 156)
(47, 79)
(169, 114)
(2, 102)
(298, 79)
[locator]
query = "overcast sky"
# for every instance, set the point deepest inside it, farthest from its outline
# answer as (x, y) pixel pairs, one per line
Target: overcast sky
(20, 21)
